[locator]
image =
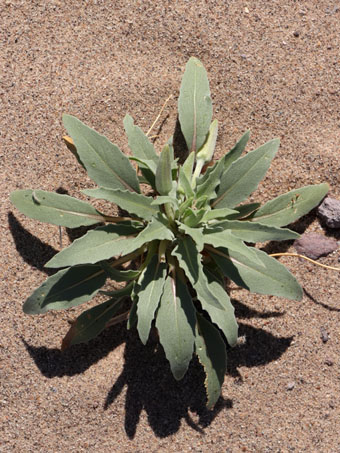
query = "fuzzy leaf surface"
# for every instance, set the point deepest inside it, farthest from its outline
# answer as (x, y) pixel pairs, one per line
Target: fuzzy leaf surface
(244, 175)
(205, 154)
(139, 143)
(91, 323)
(211, 351)
(290, 206)
(255, 232)
(243, 211)
(236, 151)
(104, 161)
(213, 214)
(97, 245)
(271, 278)
(175, 322)
(149, 295)
(67, 288)
(134, 203)
(194, 105)
(55, 208)
(163, 172)
(209, 181)
(225, 238)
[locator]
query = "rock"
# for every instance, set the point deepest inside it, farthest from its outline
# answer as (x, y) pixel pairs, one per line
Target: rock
(290, 386)
(329, 212)
(324, 335)
(314, 245)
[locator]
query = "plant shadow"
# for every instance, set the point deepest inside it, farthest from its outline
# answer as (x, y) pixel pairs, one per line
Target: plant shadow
(147, 376)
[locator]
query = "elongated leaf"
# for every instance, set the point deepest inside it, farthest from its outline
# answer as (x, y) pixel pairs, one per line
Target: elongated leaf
(236, 151)
(104, 161)
(291, 206)
(155, 230)
(163, 172)
(194, 105)
(67, 288)
(224, 319)
(255, 232)
(189, 165)
(271, 278)
(134, 203)
(145, 164)
(165, 199)
(184, 185)
(244, 175)
(211, 352)
(149, 296)
(70, 145)
(193, 217)
(119, 275)
(139, 143)
(205, 154)
(213, 298)
(97, 245)
(189, 260)
(195, 233)
(243, 211)
(225, 238)
(54, 208)
(208, 184)
(91, 323)
(217, 214)
(175, 322)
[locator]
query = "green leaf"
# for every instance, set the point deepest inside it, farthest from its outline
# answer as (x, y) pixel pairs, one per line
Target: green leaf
(224, 319)
(189, 260)
(189, 165)
(225, 238)
(139, 143)
(134, 203)
(291, 206)
(104, 161)
(243, 211)
(193, 217)
(145, 164)
(175, 322)
(205, 154)
(211, 352)
(236, 151)
(244, 175)
(67, 288)
(54, 208)
(163, 172)
(165, 199)
(149, 295)
(91, 323)
(195, 233)
(208, 183)
(271, 278)
(184, 185)
(213, 214)
(255, 232)
(194, 105)
(97, 245)
(119, 275)
(184, 206)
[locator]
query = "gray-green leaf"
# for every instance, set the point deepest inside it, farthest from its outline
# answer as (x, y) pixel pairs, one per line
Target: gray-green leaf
(270, 278)
(67, 288)
(290, 206)
(255, 232)
(104, 161)
(211, 352)
(244, 175)
(175, 322)
(149, 295)
(236, 151)
(97, 245)
(163, 172)
(139, 143)
(134, 203)
(194, 105)
(54, 208)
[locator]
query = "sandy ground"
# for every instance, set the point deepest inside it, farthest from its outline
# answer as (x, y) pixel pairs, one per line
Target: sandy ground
(274, 67)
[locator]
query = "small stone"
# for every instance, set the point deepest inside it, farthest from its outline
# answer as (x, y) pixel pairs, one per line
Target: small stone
(329, 212)
(290, 386)
(314, 245)
(324, 335)
(296, 34)
(329, 362)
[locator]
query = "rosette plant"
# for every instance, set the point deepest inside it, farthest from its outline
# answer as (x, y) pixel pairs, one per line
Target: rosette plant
(183, 236)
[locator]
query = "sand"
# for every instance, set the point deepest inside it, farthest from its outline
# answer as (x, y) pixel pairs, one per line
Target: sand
(274, 68)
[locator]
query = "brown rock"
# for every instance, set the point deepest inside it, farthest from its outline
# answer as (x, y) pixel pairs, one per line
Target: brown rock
(315, 245)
